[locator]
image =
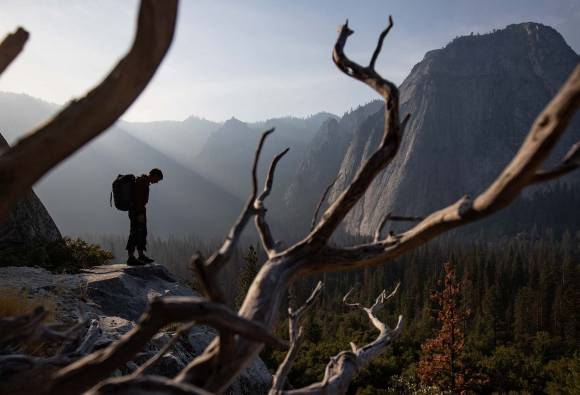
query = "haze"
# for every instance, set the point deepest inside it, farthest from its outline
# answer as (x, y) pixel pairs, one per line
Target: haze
(252, 60)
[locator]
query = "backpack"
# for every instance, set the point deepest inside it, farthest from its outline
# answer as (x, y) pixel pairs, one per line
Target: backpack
(122, 192)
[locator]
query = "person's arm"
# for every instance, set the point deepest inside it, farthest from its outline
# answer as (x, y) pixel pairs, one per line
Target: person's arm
(140, 200)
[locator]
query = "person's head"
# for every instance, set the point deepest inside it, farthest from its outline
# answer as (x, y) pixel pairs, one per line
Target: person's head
(155, 175)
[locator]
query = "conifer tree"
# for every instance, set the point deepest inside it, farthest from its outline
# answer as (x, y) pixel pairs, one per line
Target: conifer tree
(247, 274)
(441, 364)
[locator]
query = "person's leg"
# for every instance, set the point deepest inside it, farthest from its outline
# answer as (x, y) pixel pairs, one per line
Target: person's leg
(132, 240)
(142, 241)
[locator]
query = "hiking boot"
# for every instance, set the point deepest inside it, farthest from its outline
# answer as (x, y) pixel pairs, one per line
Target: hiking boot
(132, 261)
(146, 259)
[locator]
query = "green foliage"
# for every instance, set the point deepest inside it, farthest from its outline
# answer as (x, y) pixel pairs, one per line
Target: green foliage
(564, 376)
(65, 255)
(523, 332)
(247, 274)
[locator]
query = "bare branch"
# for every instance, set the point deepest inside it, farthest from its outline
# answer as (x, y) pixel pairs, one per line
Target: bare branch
(82, 120)
(184, 329)
(345, 366)
(216, 262)
(570, 162)
(23, 373)
(380, 43)
(387, 148)
(145, 385)
(321, 201)
(30, 327)
(390, 217)
(295, 335)
(268, 241)
(404, 124)
(87, 372)
(11, 47)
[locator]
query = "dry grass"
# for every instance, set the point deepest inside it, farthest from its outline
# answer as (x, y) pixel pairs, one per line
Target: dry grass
(14, 302)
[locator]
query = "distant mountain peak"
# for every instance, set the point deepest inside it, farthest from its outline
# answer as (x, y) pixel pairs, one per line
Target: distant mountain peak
(234, 122)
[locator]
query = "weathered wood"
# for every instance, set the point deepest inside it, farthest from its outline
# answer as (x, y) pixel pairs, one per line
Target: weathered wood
(295, 335)
(346, 365)
(11, 47)
(90, 370)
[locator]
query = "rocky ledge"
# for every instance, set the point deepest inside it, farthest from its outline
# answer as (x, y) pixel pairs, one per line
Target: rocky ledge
(117, 295)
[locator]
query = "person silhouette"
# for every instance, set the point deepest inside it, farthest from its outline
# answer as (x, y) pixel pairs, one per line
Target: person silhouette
(138, 218)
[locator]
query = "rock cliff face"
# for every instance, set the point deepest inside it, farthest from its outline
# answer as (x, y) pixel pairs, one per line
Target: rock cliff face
(472, 103)
(321, 164)
(28, 222)
(117, 295)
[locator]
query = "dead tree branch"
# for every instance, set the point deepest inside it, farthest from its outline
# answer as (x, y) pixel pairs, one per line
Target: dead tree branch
(296, 333)
(11, 47)
(394, 218)
(89, 371)
(346, 365)
(388, 146)
(184, 329)
(82, 120)
(30, 327)
(262, 226)
(21, 374)
(321, 202)
(145, 385)
(570, 162)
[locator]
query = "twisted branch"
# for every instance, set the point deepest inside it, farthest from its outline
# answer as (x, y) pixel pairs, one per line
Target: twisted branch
(389, 143)
(90, 370)
(295, 334)
(261, 225)
(346, 365)
(321, 201)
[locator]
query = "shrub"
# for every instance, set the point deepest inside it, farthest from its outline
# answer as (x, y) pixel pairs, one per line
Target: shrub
(64, 255)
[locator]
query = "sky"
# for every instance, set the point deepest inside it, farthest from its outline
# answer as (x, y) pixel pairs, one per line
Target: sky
(251, 59)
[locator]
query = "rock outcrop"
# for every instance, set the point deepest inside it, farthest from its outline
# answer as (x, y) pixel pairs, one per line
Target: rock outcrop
(117, 295)
(29, 222)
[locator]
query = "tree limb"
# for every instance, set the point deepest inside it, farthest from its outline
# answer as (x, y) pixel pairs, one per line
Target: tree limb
(87, 372)
(262, 226)
(21, 374)
(321, 201)
(11, 47)
(184, 329)
(389, 143)
(570, 162)
(295, 335)
(390, 217)
(345, 366)
(145, 385)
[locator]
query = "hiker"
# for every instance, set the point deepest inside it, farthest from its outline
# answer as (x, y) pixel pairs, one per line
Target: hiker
(138, 217)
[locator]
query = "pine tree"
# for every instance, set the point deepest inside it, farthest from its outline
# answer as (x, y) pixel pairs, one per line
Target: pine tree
(247, 274)
(441, 364)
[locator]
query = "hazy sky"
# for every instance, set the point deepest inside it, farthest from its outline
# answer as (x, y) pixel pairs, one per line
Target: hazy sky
(249, 59)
